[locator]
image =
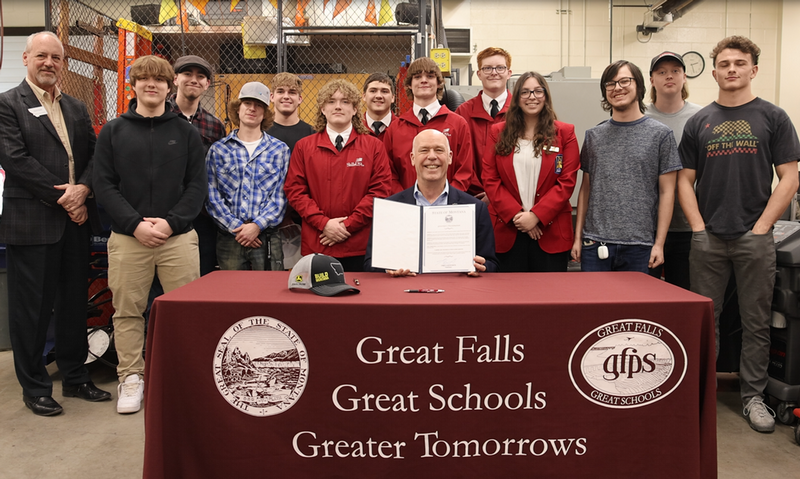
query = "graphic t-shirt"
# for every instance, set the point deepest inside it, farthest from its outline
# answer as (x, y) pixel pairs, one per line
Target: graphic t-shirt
(733, 150)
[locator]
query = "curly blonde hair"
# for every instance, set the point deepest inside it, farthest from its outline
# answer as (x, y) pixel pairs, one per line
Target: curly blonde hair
(351, 93)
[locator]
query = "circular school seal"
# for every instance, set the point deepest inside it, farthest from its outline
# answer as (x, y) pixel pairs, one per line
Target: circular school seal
(260, 366)
(627, 363)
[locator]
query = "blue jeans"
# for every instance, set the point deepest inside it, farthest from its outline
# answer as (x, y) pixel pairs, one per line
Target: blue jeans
(621, 257)
(234, 257)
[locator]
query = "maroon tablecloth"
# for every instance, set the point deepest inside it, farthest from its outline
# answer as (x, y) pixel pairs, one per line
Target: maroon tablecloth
(507, 375)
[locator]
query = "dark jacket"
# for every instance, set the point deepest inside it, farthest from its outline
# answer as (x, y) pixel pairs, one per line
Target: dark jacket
(35, 161)
(150, 167)
(484, 234)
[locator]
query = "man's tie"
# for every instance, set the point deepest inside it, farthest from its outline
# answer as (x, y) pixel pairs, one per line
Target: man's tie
(424, 114)
(495, 109)
(376, 126)
(339, 142)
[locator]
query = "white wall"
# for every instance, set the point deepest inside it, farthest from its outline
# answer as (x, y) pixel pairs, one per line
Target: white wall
(23, 13)
(789, 66)
(13, 71)
(541, 39)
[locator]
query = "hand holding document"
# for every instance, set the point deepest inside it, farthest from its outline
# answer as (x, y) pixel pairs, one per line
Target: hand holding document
(423, 239)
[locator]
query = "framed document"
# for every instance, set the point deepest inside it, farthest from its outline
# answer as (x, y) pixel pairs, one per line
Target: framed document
(423, 239)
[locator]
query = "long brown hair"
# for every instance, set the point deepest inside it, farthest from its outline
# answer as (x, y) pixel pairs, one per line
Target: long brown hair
(515, 120)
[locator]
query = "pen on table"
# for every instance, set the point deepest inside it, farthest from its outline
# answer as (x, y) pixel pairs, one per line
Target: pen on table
(423, 291)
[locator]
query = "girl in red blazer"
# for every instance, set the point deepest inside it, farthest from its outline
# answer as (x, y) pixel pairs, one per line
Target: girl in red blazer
(529, 170)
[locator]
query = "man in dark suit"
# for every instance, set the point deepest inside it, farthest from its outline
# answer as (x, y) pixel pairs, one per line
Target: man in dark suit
(430, 157)
(46, 151)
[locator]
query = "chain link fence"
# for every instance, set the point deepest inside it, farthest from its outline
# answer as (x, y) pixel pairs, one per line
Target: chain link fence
(243, 40)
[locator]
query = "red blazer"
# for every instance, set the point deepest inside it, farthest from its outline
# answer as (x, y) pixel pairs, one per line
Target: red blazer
(323, 183)
(553, 191)
(399, 138)
(369, 127)
(479, 123)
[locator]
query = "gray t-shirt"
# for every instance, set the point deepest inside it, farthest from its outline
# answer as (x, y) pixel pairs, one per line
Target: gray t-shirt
(624, 162)
(733, 150)
(676, 121)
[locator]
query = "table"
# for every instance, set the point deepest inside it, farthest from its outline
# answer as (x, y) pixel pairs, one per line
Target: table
(506, 375)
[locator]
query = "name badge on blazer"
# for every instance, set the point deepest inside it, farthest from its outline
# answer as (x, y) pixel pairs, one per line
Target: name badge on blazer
(559, 164)
(552, 149)
(38, 111)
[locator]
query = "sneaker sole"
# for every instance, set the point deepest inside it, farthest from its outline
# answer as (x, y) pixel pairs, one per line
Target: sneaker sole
(128, 410)
(763, 431)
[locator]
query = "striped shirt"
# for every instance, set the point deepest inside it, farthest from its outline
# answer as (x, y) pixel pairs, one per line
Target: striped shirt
(247, 189)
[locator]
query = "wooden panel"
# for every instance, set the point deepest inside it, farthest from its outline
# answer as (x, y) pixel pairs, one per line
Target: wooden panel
(312, 83)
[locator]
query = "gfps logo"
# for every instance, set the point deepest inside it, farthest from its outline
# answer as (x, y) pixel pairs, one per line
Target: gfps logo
(627, 363)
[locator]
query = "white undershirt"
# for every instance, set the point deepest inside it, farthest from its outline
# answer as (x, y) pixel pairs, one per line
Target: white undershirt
(487, 101)
(527, 166)
(333, 134)
(432, 109)
(251, 146)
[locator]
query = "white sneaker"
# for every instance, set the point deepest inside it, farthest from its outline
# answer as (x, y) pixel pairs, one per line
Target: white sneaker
(759, 415)
(130, 394)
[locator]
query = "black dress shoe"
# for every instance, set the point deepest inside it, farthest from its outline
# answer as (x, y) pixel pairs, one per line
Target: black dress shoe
(87, 391)
(42, 405)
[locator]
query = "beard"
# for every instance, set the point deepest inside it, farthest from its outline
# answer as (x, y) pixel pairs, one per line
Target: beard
(626, 106)
(46, 80)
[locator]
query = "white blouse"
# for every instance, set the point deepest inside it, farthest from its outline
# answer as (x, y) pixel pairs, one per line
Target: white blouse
(527, 166)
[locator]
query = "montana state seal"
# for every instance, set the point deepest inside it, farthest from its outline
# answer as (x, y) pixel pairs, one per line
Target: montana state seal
(627, 363)
(260, 366)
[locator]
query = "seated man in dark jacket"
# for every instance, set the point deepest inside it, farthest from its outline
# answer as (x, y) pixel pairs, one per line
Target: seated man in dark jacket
(431, 156)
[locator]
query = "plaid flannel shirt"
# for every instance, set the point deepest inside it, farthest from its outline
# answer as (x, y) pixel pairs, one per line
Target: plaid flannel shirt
(210, 127)
(242, 189)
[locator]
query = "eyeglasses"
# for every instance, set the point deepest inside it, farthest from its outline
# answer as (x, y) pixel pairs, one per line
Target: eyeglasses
(623, 82)
(500, 70)
(538, 93)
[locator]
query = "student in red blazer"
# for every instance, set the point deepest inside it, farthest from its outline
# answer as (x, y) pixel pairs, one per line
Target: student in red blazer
(379, 105)
(529, 197)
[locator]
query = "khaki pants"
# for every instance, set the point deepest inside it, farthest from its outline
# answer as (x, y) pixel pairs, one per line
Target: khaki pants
(131, 268)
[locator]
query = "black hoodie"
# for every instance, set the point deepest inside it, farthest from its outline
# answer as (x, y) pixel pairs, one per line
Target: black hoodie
(150, 167)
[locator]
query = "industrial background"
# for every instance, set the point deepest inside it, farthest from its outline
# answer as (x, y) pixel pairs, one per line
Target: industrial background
(249, 40)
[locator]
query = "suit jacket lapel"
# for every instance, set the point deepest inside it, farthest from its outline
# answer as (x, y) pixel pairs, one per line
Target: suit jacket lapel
(506, 164)
(549, 163)
(407, 196)
(31, 101)
(548, 168)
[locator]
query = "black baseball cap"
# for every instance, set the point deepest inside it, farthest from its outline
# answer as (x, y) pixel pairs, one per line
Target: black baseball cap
(322, 274)
(666, 56)
(187, 61)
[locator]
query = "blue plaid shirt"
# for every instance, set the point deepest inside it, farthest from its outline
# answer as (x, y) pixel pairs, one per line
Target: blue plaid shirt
(242, 189)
